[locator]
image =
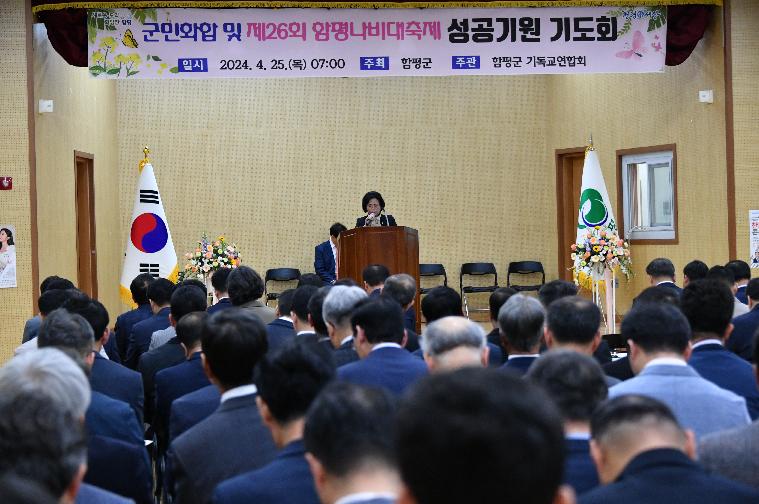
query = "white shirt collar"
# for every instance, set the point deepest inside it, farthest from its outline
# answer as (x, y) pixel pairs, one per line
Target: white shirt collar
(665, 281)
(385, 345)
(710, 341)
(666, 361)
(346, 339)
(365, 496)
(286, 318)
(239, 392)
(578, 436)
(305, 332)
(334, 247)
(523, 356)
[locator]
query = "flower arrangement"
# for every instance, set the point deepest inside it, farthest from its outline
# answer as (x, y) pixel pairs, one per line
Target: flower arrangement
(208, 257)
(599, 250)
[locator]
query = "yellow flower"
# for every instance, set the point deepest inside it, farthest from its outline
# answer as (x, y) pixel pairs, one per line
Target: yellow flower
(164, 65)
(120, 59)
(97, 56)
(134, 58)
(108, 42)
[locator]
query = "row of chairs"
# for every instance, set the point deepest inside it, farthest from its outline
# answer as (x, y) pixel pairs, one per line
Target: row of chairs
(475, 269)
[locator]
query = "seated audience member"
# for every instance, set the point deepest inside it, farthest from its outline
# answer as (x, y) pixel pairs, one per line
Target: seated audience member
(555, 290)
(108, 417)
(726, 276)
(497, 299)
(325, 255)
(299, 312)
(184, 300)
(50, 455)
(125, 321)
(191, 409)
(355, 465)
(620, 368)
(644, 455)
(661, 272)
(219, 284)
(310, 279)
(316, 319)
(402, 288)
(708, 306)
(50, 300)
(745, 327)
(233, 439)
(734, 453)
(347, 282)
(442, 302)
(658, 336)
(521, 321)
(742, 273)
(32, 326)
(378, 337)
(694, 270)
(281, 329)
(245, 288)
(173, 382)
(577, 386)
(456, 431)
(574, 323)
(374, 277)
(337, 310)
(454, 342)
(163, 336)
(159, 295)
(288, 382)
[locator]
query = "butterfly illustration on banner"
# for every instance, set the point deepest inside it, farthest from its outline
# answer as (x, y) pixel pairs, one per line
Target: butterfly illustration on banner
(637, 49)
(129, 40)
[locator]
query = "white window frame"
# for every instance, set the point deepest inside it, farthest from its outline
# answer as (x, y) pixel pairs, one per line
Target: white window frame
(668, 232)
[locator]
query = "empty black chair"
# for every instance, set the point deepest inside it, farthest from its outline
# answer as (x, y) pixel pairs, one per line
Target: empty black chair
(432, 270)
(476, 269)
(525, 268)
(278, 275)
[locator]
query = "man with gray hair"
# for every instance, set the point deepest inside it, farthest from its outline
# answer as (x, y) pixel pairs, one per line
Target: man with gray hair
(521, 323)
(336, 310)
(402, 288)
(454, 342)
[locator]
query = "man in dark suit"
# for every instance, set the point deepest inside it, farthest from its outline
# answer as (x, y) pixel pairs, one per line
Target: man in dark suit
(288, 382)
(374, 277)
(302, 323)
(159, 295)
(661, 272)
(281, 329)
(694, 270)
(184, 300)
(742, 273)
(358, 464)
(32, 326)
(191, 409)
(497, 299)
(577, 385)
(644, 455)
(125, 321)
(120, 467)
(337, 310)
(174, 382)
(219, 284)
(402, 288)
(745, 326)
(453, 427)
(325, 255)
(726, 275)
(454, 342)
(233, 439)
(708, 306)
(379, 333)
(316, 317)
(521, 321)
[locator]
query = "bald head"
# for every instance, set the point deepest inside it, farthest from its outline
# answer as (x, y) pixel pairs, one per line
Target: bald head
(454, 342)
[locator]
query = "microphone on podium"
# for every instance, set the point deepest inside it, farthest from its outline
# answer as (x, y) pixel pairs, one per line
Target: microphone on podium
(369, 218)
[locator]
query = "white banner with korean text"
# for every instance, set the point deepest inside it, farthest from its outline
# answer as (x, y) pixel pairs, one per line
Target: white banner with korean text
(205, 43)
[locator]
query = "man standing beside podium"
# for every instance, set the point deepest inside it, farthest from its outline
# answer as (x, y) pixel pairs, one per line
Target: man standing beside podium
(326, 255)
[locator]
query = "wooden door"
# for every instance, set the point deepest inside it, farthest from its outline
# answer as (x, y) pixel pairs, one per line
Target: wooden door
(569, 164)
(85, 224)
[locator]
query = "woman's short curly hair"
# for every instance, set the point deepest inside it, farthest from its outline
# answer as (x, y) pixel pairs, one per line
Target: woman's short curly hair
(243, 285)
(368, 196)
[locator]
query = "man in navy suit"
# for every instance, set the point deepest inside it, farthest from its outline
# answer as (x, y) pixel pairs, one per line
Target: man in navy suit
(379, 333)
(316, 317)
(661, 272)
(125, 321)
(402, 288)
(374, 277)
(281, 329)
(521, 321)
(159, 294)
(708, 306)
(288, 382)
(233, 439)
(644, 455)
(337, 310)
(745, 327)
(726, 275)
(174, 382)
(742, 273)
(191, 409)
(578, 386)
(457, 430)
(694, 270)
(355, 465)
(302, 322)
(219, 284)
(325, 255)
(497, 299)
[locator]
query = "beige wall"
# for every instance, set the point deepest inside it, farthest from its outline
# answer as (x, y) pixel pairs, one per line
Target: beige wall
(16, 303)
(745, 48)
(84, 119)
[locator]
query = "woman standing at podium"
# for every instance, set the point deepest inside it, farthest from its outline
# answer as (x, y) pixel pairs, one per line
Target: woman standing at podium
(374, 206)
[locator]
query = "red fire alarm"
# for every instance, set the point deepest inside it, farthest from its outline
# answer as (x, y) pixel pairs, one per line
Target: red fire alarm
(6, 183)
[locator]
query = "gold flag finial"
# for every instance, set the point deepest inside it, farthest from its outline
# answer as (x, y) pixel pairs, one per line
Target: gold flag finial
(146, 160)
(590, 144)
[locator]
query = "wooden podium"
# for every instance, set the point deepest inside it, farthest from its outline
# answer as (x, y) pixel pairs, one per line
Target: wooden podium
(397, 247)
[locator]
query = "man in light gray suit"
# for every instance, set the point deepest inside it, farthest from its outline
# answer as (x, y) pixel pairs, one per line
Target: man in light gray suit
(734, 454)
(658, 336)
